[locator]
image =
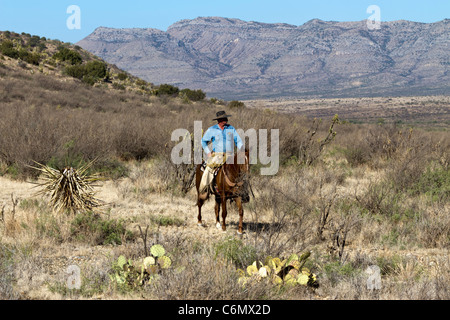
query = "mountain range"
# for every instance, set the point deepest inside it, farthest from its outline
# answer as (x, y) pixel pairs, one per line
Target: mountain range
(235, 59)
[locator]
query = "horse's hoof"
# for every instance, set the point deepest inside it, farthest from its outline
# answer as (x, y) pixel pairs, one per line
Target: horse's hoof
(199, 224)
(218, 225)
(239, 233)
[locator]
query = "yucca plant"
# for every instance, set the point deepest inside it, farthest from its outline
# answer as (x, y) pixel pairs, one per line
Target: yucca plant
(69, 189)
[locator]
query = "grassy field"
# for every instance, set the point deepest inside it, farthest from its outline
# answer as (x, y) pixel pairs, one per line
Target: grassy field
(375, 192)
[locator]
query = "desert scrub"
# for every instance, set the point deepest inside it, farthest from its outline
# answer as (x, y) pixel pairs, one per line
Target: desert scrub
(335, 271)
(7, 278)
(165, 221)
(94, 282)
(92, 228)
(236, 251)
(433, 183)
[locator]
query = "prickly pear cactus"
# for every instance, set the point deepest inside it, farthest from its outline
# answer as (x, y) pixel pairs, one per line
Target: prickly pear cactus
(157, 250)
(121, 262)
(128, 273)
(282, 272)
(164, 262)
(149, 261)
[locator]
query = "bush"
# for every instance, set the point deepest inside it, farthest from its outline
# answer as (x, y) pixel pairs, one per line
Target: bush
(193, 95)
(71, 56)
(356, 156)
(122, 76)
(7, 48)
(167, 89)
(236, 251)
(90, 227)
(29, 57)
(435, 183)
(95, 69)
(236, 104)
(89, 73)
(76, 71)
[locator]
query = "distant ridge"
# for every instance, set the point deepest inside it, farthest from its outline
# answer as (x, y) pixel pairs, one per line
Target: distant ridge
(231, 58)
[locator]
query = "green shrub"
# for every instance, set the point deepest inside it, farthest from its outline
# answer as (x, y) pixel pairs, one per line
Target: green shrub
(356, 156)
(29, 57)
(167, 221)
(236, 251)
(7, 48)
(122, 76)
(236, 104)
(76, 71)
(435, 183)
(167, 89)
(90, 227)
(118, 86)
(95, 69)
(89, 73)
(71, 56)
(193, 95)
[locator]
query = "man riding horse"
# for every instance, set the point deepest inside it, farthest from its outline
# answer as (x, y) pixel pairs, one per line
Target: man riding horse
(226, 172)
(223, 137)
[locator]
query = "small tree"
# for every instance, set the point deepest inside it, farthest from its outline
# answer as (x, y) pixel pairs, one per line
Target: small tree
(167, 89)
(193, 95)
(96, 69)
(236, 104)
(71, 56)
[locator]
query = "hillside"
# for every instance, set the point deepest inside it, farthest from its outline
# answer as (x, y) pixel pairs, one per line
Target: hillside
(231, 58)
(30, 54)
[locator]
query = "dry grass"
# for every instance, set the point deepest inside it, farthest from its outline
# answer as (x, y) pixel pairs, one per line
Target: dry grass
(380, 187)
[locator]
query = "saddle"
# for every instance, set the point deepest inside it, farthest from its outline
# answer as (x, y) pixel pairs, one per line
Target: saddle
(213, 188)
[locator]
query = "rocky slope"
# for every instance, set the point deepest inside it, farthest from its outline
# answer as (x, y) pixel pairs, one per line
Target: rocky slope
(231, 58)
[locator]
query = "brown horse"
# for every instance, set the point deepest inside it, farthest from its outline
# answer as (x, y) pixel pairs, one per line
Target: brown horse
(230, 183)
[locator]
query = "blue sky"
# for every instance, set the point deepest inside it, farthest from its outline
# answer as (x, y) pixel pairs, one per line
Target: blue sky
(48, 17)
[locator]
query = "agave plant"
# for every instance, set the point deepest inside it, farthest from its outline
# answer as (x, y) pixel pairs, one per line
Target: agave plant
(69, 189)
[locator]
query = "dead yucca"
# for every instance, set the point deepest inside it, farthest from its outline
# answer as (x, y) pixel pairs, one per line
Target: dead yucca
(69, 189)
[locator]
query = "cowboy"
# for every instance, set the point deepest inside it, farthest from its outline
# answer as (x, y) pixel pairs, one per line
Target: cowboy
(223, 137)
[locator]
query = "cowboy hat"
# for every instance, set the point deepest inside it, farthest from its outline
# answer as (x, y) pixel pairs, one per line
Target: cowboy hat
(221, 115)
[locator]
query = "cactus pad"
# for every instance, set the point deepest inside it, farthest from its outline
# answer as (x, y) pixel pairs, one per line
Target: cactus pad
(303, 279)
(252, 270)
(263, 272)
(121, 261)
(157, 250)
(149, 261)
(164, 262)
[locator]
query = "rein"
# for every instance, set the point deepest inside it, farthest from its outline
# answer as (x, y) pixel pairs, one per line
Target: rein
(231, 183)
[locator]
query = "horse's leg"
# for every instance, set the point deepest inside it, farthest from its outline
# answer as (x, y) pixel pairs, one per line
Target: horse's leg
(200, 203)
(217, 211)
(224, 213)
(241, 214)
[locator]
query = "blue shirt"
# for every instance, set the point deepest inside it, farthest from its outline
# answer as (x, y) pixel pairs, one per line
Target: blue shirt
(222, 140)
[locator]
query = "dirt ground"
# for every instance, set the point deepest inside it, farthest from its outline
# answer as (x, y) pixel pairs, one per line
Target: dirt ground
(120, 202)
